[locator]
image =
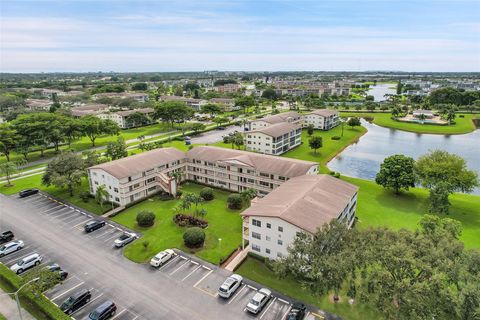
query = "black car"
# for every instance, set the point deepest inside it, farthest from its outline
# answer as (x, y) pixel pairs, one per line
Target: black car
(104, 311)
(76, 301)
(94, 225)
(27, 192)
(297, 312)
(62, 274)
(6, 236)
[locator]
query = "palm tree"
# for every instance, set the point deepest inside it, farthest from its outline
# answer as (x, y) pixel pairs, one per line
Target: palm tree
(177, 175)
(422, 117)
(101, 195)
(450, 115)
(248, 194)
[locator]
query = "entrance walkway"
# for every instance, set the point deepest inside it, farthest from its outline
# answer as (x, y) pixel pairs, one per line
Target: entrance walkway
(8, 308)
(238, 259)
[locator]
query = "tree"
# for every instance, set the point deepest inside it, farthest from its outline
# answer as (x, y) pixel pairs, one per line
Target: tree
(310, 129)
(211, 108)
(315, 143)
(140, 86)
(193, 199)
(145, 219)
(117, 149)
(65, 171)
(245, 102)
(194, 237)
(197, 127)
(72, 129)
(438, 199)
(248, 194)
(237, 140)
(450, 116)
(101, 195)
(8, 139)
(396, 173)
(177, 175)
(269, 94)
(443, 172)
(137, 119)
(93, 127)
(354, 122)
(8, 169)
(171, 111)
(396, 112)
(220, 120)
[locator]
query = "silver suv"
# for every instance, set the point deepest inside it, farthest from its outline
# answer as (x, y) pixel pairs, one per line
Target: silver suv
(27, 263)
(230, 285)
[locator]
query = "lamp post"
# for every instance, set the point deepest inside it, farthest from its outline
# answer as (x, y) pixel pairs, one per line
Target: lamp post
(15, 294)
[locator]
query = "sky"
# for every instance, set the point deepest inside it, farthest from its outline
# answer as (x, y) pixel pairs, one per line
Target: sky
(234, 35)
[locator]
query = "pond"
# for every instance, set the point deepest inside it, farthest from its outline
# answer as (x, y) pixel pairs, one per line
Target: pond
(363, 159)
(380, 90)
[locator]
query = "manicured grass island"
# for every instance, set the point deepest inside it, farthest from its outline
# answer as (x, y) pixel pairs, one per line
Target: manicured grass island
(461, 126)
(223, 223)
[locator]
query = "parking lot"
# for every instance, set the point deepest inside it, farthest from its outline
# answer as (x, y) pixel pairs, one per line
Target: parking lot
(184, 287)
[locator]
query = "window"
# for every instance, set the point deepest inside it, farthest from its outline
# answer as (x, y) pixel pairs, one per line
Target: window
(267, 251)
(267, 238)
(149, 180)
(280, 229)
(280, 242)
(117, 199)
(256, 223)
(269, 226)
(115, 189)
(255, 247)
(256, 235)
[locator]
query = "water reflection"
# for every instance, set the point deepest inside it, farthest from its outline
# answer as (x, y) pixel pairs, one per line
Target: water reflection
(363, 158)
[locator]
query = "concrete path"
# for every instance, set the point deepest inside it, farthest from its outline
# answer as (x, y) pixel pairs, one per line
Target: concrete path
(8, 308)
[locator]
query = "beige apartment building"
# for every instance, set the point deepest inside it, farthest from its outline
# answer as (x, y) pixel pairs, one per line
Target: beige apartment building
(137, 177)
(290, 117)
(274, 139)
(323, 119)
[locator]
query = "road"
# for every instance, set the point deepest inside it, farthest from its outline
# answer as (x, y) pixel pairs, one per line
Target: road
(184, 288)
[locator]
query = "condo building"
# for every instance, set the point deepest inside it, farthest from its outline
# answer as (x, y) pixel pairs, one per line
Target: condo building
(302, 204)
(323, 119)
(289, 117)
(274, 139)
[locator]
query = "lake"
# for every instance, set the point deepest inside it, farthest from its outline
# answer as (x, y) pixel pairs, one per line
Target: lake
(380, 90)
(363, 159)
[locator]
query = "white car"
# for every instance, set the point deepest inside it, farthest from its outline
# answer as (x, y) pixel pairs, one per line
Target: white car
(162, 257)
(259, 300)
(11, 247)
(230, 285)
(125, 239)
(27, 263)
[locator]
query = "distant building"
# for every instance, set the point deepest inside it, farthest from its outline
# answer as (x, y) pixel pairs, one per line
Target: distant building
(90, 109)
(122, 118)
(195, 104)
(227, 104)
(228, 88)
(38, 104)
(323, 119)
(303, 204)
(138, 96)
(274, 139)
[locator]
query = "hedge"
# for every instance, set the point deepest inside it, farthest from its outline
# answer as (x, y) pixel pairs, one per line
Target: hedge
(36, 304)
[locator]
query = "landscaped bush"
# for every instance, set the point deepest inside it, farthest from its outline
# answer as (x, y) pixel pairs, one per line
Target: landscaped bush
(207, 194)
(235, 201)
(194, 237)
(145, 218)
(179, 193)
(185, 220)
(85, 196)
(335, 138)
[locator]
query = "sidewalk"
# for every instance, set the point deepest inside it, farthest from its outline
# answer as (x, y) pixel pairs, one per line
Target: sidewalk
(8, 308)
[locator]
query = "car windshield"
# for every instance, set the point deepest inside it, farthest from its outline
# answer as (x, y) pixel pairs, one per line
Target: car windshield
(94, 315)
(254, 302)
(2, 248)
(21, 262)
(68, 302)
(123, 237)
(222, 289)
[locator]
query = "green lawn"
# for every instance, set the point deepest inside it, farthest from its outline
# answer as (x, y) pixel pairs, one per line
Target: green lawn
(462, 125)
(224, 224)
(378, 207)
(256, 270)
(35, 182)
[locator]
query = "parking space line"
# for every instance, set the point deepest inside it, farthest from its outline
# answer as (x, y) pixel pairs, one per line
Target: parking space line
(236, 294)
(188, 275)
(286, 312)
(253, 288)
(168, 262)
(268, 307)
(203, 278)
(108, 232)
(62, 214)
(110, 238)
(118, 314)
(77, 225)
(45, 212)
(67, 291)
(186, 261)
(76, 218)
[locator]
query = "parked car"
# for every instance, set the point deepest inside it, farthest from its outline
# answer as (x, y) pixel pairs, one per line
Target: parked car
(104, 311)
(297, 312)
(27, 263)
(76, 301)
(6, 236)
(221, 128)
(259, 300)
(230, 285)
(62, 274)
(162, 257)
(125, 239)
(11, 247)
(27, 192)
(94, 225)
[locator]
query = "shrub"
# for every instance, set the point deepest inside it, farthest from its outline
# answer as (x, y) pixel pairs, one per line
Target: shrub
(145, 218)
(179, 193)
(207, 194)
(335, 138)
(85, 196)
(235, 201)
(194, 237)
(184, 220)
